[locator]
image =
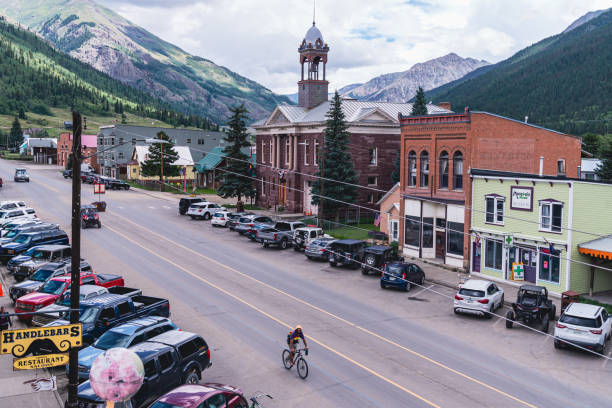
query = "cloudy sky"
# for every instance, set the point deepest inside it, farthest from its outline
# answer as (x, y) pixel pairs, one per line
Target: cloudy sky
(259, 38)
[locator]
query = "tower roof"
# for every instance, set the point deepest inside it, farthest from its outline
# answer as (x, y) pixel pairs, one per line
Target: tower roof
(313, 34)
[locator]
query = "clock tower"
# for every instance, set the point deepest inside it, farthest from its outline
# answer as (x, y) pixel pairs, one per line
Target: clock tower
(313, 88)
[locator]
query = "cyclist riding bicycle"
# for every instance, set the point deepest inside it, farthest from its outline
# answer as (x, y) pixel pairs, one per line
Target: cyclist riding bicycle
(293, 339)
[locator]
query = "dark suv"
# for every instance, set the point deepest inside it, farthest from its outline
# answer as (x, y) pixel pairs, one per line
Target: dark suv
(376, 257)
(186, 202)
(348, 252)
(27, 240)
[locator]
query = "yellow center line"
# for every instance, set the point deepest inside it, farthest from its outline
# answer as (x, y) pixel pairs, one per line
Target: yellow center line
(277, 320)
(389, 341)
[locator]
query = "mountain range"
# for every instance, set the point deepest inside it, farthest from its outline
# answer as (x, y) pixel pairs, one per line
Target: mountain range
(112, 44)
(563, 82)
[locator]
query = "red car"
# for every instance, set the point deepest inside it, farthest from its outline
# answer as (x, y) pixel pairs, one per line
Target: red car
(205, 395)
(56, 287)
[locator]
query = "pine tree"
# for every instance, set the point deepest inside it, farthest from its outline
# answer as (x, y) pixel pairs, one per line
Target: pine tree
(419, 107)
(235, 180)
(152, 165)
(22, 114)
(335, 163)
(591, 143)
(395, 176)
(604, 171)
(16, 135)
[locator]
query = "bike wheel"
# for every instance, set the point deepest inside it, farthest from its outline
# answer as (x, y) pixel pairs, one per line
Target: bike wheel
(302, 368)
(287, 359)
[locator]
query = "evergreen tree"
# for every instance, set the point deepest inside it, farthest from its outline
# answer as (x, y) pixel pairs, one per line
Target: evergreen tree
(236, 181)
(591, 143)
(395, 176)
(419, 107)
(16, 135)
(152, 165)
(604, 171)
(335, 163)
(123, 118)
(21, 113)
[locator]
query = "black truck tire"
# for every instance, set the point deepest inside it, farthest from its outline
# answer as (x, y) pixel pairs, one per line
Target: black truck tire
(552, 313)
(284, 244)
(545, 322)
(509, 319)
(192, 377)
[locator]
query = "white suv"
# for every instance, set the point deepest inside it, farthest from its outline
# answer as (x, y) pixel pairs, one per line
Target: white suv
(9, 205)
(203, 210)
(583, 325)
(479, 297)
(220, 218)
(7, 216)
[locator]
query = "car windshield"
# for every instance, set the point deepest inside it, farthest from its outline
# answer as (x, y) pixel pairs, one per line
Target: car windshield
(578, 321)
(30, 251)
(23, 239)
(38, 254)
(219, 215)
(88, 315)
(112, 339)
(395, 269)
(244, 220)
(160, 404)
(2, 214)
(41, 275)
(54, 287)
(471, 292)
(88, 211)
(11, 234)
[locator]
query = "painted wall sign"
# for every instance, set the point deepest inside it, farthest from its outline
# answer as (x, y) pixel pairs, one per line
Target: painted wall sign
(45, 361)
(56, 339)
(521, 198)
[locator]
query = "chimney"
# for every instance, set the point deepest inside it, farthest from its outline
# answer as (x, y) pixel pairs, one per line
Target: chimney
(445, 105)
(526, 119)
(541, 165)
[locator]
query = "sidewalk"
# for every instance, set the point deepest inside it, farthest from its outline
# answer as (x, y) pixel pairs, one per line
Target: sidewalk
(14, 392)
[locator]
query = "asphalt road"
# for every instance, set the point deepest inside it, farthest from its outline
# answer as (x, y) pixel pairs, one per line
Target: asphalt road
(369, 347)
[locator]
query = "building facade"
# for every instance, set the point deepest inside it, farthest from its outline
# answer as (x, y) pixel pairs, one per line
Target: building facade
(437, 153)
(290, 140)
(89, 149)
(184, 162)
(532, 229)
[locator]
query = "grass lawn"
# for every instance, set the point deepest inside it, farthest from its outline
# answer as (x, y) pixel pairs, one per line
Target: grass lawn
(596, 303)
(356, 232)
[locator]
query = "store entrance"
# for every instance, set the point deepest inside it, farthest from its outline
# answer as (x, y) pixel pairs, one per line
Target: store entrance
(528, 257)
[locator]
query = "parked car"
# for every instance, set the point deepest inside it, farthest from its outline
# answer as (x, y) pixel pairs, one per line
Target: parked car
(402, 275)
(480, 297)
(8, 216)
(252, 232)
(124, 335)
(203, 210)
(280, 235)
(41, 276)
(27, 227)
(88, 177)
(29, 239)
(317, 249)
(55, 287)
(116, 184)
(185, 203)
(375, 258)
(583, 325)
(41, 257)
(14, 262)
(67, 173)
(9, 205)
(234, 218)
(248, 221)
(17, 223)
(90, 217)
(303, 236)
(167, 365)
(204, 395)
(346, 252)
(21, 174)
(57, 309)
(107, 311)
(220, 219)
(532, 305)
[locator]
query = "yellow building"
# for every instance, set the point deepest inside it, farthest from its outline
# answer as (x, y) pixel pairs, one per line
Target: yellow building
(140, 154)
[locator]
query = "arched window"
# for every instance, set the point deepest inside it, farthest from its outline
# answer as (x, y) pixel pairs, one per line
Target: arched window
(412, 169)
(444, 169)
(458, 171)
(424, 169)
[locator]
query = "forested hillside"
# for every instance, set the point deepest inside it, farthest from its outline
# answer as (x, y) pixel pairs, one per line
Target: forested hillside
(563, 82)
(36, 77)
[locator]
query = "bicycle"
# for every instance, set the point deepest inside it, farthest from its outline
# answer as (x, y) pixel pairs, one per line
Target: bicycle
(254, 400)
(298, 360)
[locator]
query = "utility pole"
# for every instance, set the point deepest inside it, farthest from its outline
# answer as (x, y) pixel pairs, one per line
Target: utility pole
(75, 273)
(162, 167)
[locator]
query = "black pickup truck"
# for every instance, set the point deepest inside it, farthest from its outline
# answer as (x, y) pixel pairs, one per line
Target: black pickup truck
(103, 312)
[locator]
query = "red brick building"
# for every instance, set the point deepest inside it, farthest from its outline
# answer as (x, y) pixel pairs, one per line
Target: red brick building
(289, 140)
(89, 145)
(437, 154)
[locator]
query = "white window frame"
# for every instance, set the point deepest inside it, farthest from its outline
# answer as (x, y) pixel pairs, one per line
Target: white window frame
(550, 229)
(287, 151)
(316, 153)
(373, 156)
(306, 152)
(271, 161)
(375, 181)
(496, 200)
(394, 230)
(498, 244)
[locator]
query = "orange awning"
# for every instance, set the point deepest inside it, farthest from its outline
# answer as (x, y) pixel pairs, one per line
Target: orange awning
(598, 248)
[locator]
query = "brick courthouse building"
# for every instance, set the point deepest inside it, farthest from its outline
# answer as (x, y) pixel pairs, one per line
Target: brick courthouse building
(290, 139)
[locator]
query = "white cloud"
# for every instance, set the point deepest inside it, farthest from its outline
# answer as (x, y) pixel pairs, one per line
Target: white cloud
(259, 39)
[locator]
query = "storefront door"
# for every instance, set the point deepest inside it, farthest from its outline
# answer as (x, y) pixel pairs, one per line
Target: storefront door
(476, 257)
(440, 244)
(528, 257)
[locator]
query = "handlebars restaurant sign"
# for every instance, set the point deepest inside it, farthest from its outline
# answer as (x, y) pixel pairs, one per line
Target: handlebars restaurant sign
(39, 340)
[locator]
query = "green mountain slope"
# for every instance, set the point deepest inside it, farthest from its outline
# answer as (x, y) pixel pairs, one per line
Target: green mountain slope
(35, 77)
(563, 82)
(112, 44)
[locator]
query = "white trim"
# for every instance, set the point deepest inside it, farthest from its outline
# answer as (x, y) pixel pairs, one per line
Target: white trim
(569, 236)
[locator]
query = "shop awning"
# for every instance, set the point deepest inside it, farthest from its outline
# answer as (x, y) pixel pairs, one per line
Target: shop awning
(598, 248)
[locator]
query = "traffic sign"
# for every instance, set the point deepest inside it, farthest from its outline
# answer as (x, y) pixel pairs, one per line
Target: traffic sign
(99, 188)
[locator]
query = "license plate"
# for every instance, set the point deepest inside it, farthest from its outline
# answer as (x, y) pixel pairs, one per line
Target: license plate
(469, 300)
(579, 332)
(391, 278)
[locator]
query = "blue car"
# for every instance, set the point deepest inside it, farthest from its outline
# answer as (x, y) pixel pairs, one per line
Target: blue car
(124, 335)
(401, 275)
(14, 262)
(27, 240)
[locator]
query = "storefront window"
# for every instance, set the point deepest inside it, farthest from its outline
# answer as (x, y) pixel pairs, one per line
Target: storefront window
(412, 231)
(428, 232)
(493, 254)
(444, 169)
(549, 267)
(425, 169)
(458, 171)
(454, 238)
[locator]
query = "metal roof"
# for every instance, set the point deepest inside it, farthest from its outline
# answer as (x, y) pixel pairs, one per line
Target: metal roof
(589, 165)
(184, 155)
